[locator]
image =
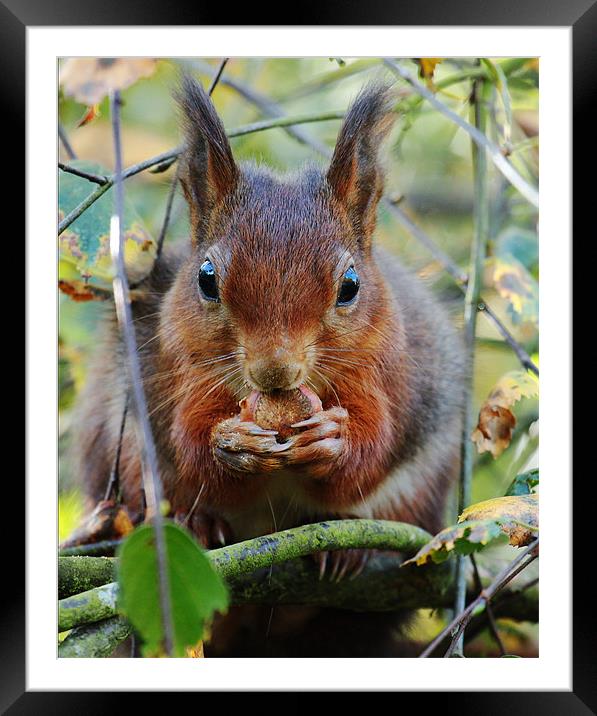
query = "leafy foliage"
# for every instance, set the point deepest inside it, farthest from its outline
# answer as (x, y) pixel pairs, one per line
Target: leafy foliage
(518, 516)
(464, 538)
(512, 518)
(524, 484)
(514, 283)
(196, 590)
(85, 261)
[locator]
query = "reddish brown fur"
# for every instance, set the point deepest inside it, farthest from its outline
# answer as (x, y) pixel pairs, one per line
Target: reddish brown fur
(280, 245)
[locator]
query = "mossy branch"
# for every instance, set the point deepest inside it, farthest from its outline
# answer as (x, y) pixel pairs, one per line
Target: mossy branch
(95, 640)
(78, 574)
(265, 571)
(263, 552)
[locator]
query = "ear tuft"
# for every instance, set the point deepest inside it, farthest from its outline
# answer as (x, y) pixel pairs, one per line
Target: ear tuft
(355, 176)
(208, 170)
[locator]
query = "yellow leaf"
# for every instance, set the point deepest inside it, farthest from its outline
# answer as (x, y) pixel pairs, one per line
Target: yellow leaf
(514, 283)
(464, 538)
(195, 652)
(427, 67)
(518, 516)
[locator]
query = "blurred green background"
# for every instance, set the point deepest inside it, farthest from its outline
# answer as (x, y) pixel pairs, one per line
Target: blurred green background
(428, 164)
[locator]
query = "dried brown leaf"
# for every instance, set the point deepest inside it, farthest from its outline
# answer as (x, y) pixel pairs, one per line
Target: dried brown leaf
(89, 79)
(496, 421)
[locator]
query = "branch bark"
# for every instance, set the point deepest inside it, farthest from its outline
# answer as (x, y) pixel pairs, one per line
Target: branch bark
(480, 99)
(95, 640)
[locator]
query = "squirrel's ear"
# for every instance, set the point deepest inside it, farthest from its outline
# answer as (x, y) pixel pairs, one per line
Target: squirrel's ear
(355, 175)
(208, 171)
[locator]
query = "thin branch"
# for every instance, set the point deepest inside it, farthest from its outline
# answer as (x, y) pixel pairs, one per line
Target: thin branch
(483, 600)
(151, 479)
(267, 106)
(459, 276)
(520, 352)
(172, 154)
(488, 608)
(284, 122)
(174, 184)
(100, 179)
(505, 576)
(217, 76)
(65, 143)
(114, 481)
(471, 301)
(105, 548)
(502, 164)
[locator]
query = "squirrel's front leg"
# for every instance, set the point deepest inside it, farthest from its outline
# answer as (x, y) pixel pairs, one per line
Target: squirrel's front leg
(321, 443)
(243, 446)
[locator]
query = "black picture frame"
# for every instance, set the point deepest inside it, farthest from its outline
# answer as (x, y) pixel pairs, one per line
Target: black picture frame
(581, 17)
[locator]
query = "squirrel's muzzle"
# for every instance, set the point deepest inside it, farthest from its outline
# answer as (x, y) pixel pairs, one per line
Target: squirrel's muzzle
(279, 370)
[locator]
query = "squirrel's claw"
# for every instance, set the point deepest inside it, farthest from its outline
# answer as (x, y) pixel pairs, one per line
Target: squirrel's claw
(343, 563)
(322, 442)
(210, 529)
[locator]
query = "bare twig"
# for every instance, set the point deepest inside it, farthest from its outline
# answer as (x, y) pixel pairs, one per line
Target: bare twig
(483, 600)
(174, 184)
(459, 276)
(100, 179)
(502, 164)
(151, 480)
(488, 608)
(272, 109)
(217, 76)
(471, 301)
(500, 581)
(65, 143)
(521, 354)
(172, 154)
(114, 481)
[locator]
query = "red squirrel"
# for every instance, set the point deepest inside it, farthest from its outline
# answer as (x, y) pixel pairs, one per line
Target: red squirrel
(281, 286)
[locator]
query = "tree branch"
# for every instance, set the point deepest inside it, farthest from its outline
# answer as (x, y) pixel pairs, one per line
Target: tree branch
(100, 179)
(459, 276)
(149, 465)
(95, 640)
(79, 574)
(471, 301)
(529, 192)
(506, 575)
(171, 155)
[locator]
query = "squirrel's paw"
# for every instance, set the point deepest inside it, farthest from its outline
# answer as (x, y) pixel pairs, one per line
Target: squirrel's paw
(322, 441)
(342, 563)
(245, 447)
(210, 529)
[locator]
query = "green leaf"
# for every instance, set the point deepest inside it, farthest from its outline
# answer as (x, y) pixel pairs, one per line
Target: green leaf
(84, 258)
(196, 590)
(464, 538)
(524, 483)
(520, 244)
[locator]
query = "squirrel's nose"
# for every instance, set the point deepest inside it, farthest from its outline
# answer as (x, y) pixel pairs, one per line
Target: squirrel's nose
(277, 371)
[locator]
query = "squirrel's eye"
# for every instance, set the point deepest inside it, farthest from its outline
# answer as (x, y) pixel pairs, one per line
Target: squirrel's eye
(206, 278)
(348, 288)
